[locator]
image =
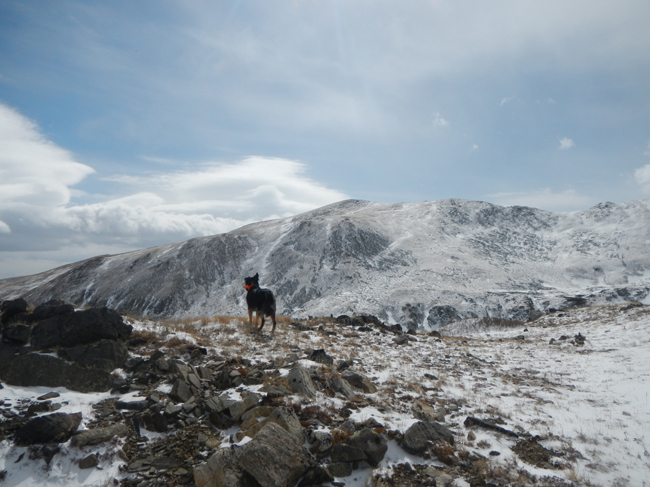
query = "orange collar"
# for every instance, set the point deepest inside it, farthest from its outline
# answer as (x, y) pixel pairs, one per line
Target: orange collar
(248, 287)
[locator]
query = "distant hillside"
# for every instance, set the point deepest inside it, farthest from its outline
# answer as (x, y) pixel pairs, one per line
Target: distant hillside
(419, 264)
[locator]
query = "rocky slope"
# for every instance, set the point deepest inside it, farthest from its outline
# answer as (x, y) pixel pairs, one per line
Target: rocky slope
(557, 402)
(421, 264)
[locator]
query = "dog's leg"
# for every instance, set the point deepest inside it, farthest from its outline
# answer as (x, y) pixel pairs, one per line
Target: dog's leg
(260, 329)
(273, 320)
(250, 317)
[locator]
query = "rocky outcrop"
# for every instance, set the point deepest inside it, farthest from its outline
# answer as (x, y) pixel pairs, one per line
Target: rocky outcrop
(34, 369)
(89, 346)
(52, 428)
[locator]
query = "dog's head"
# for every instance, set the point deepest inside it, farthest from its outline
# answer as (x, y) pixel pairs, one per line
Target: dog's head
(251, 282)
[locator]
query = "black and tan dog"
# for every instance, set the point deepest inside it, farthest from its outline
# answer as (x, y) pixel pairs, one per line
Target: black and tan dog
(259, 300)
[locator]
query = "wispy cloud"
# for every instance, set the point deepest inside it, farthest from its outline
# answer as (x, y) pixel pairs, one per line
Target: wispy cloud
(642, 177)
(439, 121)
(647, 152)
(566, 144)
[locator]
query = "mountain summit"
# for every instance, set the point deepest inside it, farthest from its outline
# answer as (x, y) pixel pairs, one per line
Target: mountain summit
(419, 264)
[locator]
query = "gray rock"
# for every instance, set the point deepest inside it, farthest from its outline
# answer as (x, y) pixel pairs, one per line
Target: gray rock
(238, 408)
(273, 458)
(342, 386)
(96, 436)
(315, 476)
(374, 445)
(340, 469)
(417, 437)
(321, 357)
(88, 462)
(288, 420)
(52, 428)
(321, 441)
(300, 382)
(221, 470)
(359, 381)
(347, 454)
(180, 392)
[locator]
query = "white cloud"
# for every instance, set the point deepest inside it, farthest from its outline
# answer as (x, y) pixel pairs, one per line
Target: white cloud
(642, 177)
(566, 143)
(38, 215)
(506, 100)
(545, 199)
(439, 121)
(33, 170)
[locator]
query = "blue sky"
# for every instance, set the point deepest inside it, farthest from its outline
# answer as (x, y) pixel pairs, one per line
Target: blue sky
(131, 124)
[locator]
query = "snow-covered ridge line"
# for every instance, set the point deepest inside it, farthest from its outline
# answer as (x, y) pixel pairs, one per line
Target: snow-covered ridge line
(419, 264)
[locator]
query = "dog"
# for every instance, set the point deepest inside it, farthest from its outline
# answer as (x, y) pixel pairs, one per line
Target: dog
(259, 300)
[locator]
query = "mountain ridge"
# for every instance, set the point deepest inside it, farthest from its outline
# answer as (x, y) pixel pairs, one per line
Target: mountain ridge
(419, 264)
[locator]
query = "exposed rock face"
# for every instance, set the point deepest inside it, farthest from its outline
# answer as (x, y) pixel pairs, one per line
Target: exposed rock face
(420, 264)
(80, 328)
(53, 428)
(44, 370)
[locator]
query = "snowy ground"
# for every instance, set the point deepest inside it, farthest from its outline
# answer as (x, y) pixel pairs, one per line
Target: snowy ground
(588, 403)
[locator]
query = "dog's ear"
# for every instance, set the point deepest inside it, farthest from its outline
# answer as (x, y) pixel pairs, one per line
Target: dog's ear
(257, 276)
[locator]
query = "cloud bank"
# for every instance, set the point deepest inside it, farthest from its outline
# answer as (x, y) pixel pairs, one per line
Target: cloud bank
(38, 213)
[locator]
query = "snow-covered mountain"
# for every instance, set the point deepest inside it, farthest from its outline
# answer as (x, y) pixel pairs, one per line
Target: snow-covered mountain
(419, 264)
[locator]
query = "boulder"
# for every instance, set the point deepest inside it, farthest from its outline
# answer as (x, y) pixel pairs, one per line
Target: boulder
(288, 420)
(347, 454)
(89, 462)
(342, 386)
(300, 382)
(11, 308)
(80, 328)
(417, 437)
(273, 458)
(360, 381)
(374, 445)
(221, 470)
(34, 369)
(52, 428)
(18, 334)
(321, 357)
(238, 408)
(50, 309)
(320, 441)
